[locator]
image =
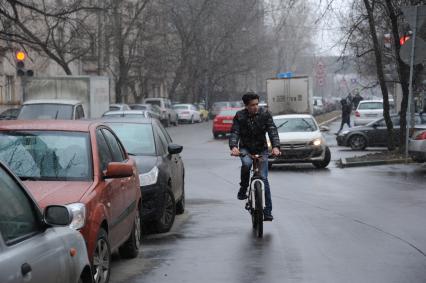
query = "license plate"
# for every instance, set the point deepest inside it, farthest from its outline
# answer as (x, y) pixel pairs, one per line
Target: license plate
(227, 121)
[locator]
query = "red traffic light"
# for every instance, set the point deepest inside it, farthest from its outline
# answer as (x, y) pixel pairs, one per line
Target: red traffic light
(403, 39)
(20, 56)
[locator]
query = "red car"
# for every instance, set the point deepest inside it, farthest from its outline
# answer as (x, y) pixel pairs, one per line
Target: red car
(222, 123)
(82, 165)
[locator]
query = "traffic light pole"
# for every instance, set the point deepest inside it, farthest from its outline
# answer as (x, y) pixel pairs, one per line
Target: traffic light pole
(410, 92)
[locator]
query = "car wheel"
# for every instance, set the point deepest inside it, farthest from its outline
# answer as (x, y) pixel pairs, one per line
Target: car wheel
(215, 135)
(192, 120)
(165, 222)
(130, 248)
(102, 258)
(180, 205)
(324, 163)
(358, 142)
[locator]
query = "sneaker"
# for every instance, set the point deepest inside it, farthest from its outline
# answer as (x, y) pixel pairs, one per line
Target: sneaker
(267, 217)
(242, 194)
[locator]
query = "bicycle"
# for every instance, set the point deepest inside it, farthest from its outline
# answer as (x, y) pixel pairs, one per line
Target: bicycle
(256, 195)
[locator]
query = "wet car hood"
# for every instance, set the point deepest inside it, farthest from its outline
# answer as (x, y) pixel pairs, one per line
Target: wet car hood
(299, 136)
(145, 162)
(57, 192)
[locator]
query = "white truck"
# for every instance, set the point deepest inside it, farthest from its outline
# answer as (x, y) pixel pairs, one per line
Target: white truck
(92, 92)
(289, 95)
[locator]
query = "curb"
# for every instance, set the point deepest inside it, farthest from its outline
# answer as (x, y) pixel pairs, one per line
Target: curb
(345, 164)
(330, 120)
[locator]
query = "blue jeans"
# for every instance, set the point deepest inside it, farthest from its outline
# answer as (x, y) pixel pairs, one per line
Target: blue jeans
(245, 176)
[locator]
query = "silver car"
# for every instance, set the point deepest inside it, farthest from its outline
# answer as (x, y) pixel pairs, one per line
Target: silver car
(32, 247)
(417, 145)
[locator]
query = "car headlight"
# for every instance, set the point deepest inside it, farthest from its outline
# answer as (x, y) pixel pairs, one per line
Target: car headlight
(149, 178)
(78, 211)
(316, 142)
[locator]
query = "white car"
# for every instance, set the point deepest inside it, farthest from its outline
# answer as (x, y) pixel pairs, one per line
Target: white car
(168, 115)
(417, 144)
(370, 110)
(301, 141)
(187, 113)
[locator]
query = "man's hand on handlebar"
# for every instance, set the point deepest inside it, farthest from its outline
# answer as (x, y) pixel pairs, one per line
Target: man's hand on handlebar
(276, 151)
(235, 151)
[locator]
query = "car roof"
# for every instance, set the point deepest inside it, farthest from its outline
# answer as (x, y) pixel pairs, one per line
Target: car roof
(53, 101)
(125, 112)
(49, 125)
(292, 116)
(127, 120)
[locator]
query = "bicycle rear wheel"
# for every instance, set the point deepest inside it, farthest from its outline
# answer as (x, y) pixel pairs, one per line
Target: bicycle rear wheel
(258, 210)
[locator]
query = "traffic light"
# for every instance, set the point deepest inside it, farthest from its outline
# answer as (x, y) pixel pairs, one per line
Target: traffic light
(20, 57)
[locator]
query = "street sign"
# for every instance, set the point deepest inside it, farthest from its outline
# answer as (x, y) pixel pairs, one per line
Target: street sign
(285, 75)
(419, 51)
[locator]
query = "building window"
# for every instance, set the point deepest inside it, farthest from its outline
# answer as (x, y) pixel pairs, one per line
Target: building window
(9, 88)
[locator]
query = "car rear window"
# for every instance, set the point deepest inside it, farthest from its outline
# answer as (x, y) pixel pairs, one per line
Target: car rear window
(181, 107)
(47, 155)
(370, 106)
(228, 113)
(138, 107)
(138, 139)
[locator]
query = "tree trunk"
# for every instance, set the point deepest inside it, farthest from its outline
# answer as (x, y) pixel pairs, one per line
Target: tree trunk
(380, 74)
(403, 74)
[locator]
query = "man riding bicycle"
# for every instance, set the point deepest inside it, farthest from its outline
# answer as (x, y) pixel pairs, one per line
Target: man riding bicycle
(248, 136)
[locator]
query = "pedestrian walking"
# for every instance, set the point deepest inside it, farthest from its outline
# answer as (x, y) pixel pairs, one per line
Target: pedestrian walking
(346, 114)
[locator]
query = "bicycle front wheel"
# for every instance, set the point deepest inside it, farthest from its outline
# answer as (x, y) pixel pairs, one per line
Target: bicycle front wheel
(258, 210)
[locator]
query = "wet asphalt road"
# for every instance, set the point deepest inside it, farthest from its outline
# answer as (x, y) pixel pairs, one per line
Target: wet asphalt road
(332, 225)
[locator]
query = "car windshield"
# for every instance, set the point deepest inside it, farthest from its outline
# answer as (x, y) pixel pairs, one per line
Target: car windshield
(227, 113)
(47, 155)
(46, 111)
(114, 108)
(288, 125)
(138, 139)
(370, 106)
(154, 102)
(181, 107)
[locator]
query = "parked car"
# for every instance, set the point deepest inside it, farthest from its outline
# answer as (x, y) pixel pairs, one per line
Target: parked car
(370, 110)
(318, 105)
(52, 109)
(204, 113)
(10, 114)
(118, 107)
(82, 165)
(161, 170)
(417, 144)
(127, 113)
(222, 123)
(373, 134)
(168, 115)
(301, 141)
(33, 246)
(153, 110)
(187, 113)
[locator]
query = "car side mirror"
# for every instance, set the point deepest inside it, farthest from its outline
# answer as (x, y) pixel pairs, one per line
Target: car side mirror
(118, 170)
(324, 129)
(57, 215)
(175, 149)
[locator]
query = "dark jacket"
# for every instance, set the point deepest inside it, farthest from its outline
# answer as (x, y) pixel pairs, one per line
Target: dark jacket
(249, 132)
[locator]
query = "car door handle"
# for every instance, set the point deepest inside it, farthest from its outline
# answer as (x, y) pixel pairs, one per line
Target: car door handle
(25, 269)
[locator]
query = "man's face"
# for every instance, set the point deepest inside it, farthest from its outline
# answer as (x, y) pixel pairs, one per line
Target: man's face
(253, 106)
